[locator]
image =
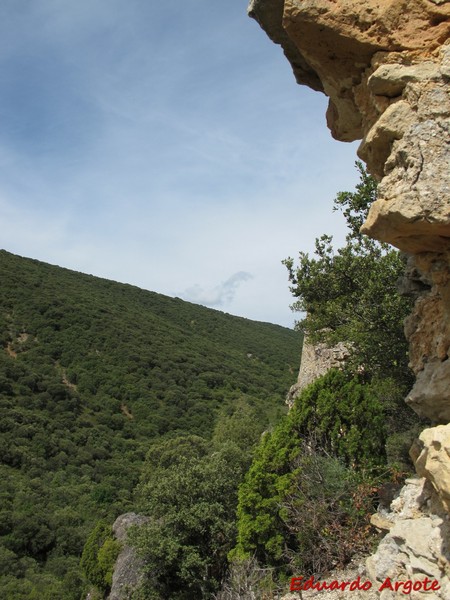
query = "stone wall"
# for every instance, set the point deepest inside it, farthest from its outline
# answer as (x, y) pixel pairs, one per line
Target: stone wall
(385, 66)
(317, 359)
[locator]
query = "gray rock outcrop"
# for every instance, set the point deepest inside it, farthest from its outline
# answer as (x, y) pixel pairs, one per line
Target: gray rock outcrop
(416, 545)
(127, 570)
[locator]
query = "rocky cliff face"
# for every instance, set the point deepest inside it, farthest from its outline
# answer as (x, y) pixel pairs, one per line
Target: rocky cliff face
(415, 547)
(128, 568)
(385, 66)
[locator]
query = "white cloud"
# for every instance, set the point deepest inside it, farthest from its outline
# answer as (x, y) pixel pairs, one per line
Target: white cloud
(220, 295)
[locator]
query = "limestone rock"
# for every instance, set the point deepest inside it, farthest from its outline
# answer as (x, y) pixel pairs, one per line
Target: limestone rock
(428, 331)
(127, 570)
(338, 40)
(415, 548)
(269, 15)
(428, 327)
(365, 56)
(429, 396)
(433, 460)
(392, 125)
(381, 522)
(413, 207)
(413, 284)
(385, 66)
(416, 545)
(391, 79)
(293, 393)
(411, 159)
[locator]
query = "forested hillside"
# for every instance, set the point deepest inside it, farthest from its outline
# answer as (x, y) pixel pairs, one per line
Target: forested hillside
(91, 373)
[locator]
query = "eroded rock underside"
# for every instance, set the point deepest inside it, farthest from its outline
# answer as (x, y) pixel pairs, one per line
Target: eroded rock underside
(385, 67)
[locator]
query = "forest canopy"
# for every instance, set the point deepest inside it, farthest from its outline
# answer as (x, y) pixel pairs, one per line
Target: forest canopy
(92, 373)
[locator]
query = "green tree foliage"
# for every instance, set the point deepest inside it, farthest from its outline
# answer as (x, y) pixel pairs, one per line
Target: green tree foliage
(190, 496)
(99, 556)
(241, 424)
(91, 372)
(350, 295)
(336, 425)
(345, 417)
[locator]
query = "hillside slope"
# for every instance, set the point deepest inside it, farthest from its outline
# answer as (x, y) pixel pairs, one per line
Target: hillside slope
(91, 371)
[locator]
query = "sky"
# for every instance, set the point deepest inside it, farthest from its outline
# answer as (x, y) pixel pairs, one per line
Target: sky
(165, 145)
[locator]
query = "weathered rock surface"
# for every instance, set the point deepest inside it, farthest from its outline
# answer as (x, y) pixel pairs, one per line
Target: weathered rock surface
(428, 331)
(431, 454)
(416, 545)
(127, 570)
(317, 359)
(385, 65)
(408, 148)
(337, 42)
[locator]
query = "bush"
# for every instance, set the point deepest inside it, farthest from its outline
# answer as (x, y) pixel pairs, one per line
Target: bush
(344, 415)
(327, 512)
(303, 492)
(99, 556)
(247, 580)
(190, 496)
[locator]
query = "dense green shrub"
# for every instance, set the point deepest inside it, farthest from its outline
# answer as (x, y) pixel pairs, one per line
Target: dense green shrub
(312, 465)
(343, 413)
(99, 556)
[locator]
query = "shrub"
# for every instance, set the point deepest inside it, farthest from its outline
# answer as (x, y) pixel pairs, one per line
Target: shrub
(99, 556)
(302, 493)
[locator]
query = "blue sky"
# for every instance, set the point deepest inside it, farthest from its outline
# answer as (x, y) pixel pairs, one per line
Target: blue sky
(163, 144)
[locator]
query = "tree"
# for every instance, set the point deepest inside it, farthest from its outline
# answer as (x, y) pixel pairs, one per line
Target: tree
(305, 502)
(334, 431)
(190, 496)
(242, 423)
(350, 294)
(99, 556)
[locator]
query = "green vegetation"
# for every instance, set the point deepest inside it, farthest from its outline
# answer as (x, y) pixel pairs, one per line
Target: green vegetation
(117, 399)
(191, 495)
(350, 294)
(295, 505)
(189, 489)
(99, 555)
(92, 374)
(305, 503)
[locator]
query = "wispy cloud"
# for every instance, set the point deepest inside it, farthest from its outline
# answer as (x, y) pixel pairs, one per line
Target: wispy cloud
(221, 294)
